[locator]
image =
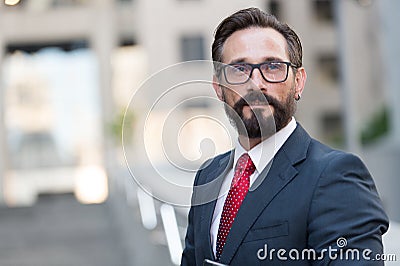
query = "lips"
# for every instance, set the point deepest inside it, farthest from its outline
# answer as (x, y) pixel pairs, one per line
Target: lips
(255, 99)
(257, 104)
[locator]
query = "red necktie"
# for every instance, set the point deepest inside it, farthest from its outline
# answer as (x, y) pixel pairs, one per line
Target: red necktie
(238, 191)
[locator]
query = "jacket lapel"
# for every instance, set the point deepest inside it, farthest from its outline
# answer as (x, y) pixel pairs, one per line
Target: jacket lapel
(273, 179)
(215, 177)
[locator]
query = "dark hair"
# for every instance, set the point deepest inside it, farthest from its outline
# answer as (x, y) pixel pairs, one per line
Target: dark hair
(254, 17)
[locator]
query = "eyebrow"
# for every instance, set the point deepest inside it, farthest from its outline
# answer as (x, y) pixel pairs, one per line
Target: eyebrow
(265, 59)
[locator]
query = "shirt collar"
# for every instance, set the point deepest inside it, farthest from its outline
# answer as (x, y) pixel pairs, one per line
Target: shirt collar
(262, 153)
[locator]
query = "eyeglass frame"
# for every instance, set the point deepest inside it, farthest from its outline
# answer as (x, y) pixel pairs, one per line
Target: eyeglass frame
(253, 66)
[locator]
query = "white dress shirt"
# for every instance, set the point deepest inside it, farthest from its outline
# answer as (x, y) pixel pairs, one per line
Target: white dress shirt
(261, 155)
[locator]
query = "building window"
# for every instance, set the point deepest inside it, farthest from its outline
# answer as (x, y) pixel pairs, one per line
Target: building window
(323, 10)
(328, 67)
(192, 48)
(58, 3)
(35, 47)
(274, 8)
(124, 1)
(332, 128)
(127, 42)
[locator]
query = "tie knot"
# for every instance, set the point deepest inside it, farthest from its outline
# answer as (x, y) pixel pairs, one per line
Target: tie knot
(245, 165)
(243, 170)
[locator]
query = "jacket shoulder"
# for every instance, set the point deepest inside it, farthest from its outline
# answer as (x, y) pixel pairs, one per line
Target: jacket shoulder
(212, 165)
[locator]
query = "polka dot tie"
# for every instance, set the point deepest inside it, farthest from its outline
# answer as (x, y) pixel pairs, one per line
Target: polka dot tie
(238, 191)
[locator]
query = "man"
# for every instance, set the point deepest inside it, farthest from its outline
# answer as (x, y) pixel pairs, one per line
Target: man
(280, 197)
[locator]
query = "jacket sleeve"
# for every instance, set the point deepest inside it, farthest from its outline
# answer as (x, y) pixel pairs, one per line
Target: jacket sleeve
(346, 218)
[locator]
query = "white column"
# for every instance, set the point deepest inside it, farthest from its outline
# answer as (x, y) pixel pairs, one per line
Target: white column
(3, 147)
(390, 40)
(103, 42)
(349, 103)
(390, 43)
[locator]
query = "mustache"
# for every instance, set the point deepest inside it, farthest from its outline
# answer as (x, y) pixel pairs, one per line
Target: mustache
(255, 98)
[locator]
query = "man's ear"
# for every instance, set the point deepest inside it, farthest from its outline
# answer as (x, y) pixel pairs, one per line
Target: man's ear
(217, 87)
(300, 81)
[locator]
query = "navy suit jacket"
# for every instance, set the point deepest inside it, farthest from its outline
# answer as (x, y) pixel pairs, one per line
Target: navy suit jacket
(311, 196)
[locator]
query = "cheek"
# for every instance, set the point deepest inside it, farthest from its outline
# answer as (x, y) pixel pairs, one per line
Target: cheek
(278, 94)
(282, 93)
(230, 97)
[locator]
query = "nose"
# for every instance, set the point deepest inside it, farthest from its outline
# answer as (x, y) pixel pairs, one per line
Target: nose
(257, 79)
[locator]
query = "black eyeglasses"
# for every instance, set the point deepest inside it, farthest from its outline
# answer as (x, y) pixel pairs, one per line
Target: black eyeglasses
(240, 73)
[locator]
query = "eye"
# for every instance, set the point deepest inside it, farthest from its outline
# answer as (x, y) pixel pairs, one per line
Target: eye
(239, 68)
(273, 66)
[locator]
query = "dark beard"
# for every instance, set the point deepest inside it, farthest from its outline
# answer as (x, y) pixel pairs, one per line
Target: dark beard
(260, 125)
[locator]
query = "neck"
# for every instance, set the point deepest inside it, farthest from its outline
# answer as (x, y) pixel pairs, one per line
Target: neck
(248, 143)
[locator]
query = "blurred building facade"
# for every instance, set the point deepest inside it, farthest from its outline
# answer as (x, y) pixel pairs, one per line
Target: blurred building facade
(133, 39)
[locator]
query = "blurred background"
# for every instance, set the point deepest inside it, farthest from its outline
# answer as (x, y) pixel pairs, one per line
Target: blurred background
(69, 69)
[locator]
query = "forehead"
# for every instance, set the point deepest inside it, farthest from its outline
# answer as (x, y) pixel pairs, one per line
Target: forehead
(255, 45)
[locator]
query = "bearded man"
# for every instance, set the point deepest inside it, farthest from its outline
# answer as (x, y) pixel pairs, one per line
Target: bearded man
(280, 197)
